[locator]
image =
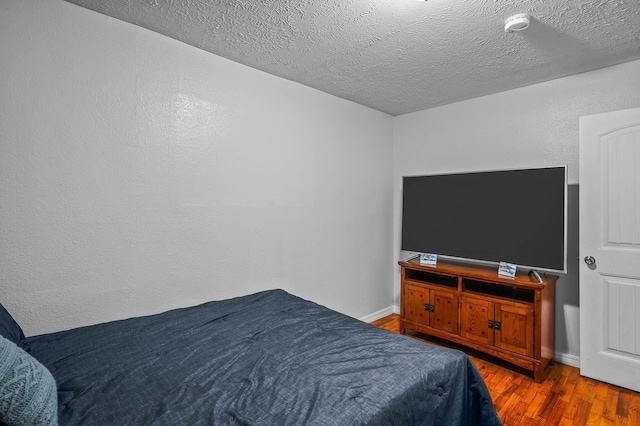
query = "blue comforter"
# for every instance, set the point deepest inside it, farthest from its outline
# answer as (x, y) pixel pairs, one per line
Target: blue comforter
(266, 359)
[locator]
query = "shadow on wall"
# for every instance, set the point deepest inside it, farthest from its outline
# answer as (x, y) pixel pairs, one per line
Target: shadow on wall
(568, 287)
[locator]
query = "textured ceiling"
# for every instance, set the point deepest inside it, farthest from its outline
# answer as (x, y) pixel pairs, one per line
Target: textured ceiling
(398, 56)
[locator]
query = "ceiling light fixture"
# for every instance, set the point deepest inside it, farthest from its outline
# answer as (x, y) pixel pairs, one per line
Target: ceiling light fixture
(516, 22)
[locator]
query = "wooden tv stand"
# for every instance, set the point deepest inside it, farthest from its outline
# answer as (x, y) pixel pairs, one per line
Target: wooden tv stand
(511, 319)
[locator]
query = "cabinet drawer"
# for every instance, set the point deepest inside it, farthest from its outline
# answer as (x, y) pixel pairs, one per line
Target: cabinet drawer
(515, 333)
(475, 317)
(414, 300)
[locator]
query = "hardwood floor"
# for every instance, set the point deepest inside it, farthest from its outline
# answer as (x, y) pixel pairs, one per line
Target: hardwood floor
(563, 398)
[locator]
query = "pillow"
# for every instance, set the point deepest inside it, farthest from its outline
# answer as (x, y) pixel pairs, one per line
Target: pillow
(9, 328)
(28, 393)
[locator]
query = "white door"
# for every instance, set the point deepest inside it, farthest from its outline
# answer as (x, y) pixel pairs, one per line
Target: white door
(610, 241)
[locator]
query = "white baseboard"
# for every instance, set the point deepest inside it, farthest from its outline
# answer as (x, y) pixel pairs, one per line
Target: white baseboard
(568, 359)
(380, 314)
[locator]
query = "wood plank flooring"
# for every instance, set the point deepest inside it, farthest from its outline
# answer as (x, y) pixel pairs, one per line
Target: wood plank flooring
(563, 398)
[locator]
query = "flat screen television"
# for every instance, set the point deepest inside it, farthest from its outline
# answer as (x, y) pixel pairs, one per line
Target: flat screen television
(514, 216)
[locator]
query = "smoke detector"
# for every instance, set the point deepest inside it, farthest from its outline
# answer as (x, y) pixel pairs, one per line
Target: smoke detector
(516, 22)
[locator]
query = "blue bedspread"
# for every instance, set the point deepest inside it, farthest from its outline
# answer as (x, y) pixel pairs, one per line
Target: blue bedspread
(266, 359)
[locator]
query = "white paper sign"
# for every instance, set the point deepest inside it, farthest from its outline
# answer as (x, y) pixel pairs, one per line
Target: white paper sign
(507, 270)
(429, 259)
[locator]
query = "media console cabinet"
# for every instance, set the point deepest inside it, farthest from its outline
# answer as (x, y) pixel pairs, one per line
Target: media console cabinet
(511, 319)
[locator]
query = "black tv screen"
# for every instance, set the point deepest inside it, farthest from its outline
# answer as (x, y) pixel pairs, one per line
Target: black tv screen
(514, 216)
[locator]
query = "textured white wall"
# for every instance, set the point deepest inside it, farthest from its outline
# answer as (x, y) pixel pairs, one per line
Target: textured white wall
(532, 126)
(141, 174)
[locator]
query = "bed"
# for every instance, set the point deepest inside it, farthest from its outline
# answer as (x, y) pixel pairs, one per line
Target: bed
(269, 358)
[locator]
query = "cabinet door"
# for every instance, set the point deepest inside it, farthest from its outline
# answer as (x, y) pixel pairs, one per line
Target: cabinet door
(476, 314)
(514, 328)
(445, 311)
(414, 300)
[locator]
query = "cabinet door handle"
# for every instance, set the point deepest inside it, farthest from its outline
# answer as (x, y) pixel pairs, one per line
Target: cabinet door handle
(490, 323)
(428, 307)
(496, 325)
